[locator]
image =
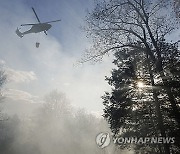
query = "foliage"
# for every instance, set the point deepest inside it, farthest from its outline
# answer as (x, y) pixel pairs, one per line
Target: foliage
(135, 30)
(130, 110)
(117, 24)
(54, 128)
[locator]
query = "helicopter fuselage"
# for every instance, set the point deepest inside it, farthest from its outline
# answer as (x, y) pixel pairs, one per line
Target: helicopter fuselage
(36, 28)
(40, 28)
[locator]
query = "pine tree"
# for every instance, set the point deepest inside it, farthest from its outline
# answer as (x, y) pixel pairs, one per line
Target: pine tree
(138, 104)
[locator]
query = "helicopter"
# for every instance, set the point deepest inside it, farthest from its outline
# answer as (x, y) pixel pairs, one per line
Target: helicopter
(36, 27)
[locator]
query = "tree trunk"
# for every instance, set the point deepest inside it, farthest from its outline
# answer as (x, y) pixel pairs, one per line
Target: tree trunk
(158, 110)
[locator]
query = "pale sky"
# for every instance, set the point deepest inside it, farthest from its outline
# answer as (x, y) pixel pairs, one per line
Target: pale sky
(33, 72)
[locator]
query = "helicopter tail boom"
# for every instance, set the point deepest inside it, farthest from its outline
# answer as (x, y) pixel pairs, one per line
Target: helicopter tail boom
(19, 33)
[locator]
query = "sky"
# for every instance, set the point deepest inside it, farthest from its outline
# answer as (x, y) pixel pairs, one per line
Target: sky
(34, 72)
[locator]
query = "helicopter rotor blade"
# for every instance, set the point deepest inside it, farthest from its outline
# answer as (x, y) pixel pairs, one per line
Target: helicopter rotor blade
(28, 24)
(52, 21)
(36, 15)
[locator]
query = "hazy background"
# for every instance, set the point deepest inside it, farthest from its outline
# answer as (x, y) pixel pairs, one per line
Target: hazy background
(33, 72)
(50, 105)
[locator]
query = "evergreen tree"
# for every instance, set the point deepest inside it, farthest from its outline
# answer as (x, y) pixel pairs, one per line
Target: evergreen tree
(133, 29)
(138, 107)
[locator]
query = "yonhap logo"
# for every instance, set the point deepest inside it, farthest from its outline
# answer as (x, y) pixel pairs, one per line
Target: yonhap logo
(103, 140)
(144, 140)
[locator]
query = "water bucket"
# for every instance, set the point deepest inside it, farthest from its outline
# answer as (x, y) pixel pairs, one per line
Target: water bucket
(37, 44)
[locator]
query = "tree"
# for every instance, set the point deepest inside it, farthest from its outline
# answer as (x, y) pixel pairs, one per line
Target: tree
(8, 131)
(118, 24)
(129, 109)
(56, 104)
(3, 78)
(140, 25)
(132, 108)
(58, 128)
(177, 8)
